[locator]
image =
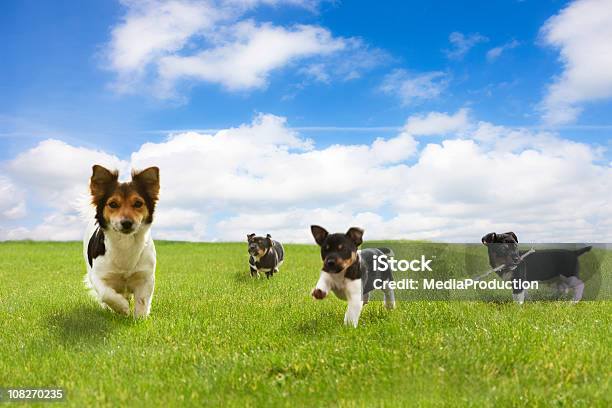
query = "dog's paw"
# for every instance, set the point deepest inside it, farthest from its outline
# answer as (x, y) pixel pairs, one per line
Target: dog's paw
(390, 305)
(318, 294)
(351, 321)
(140, 308)
(141, 314)
(519, 298)
(119, 305)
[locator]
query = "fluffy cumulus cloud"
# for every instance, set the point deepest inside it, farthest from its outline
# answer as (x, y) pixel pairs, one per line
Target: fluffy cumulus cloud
(12, 205)
(437, 123)
(248, 54)
(58, 226)
(58, 171)
(160, 43)
(265, 165)
(55, 175)
(582, 33)
(264, 177)
(413, 88)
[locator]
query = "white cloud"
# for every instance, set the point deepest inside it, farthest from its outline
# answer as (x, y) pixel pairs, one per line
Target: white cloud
(415, 87)
(437, 123)
(56, 176)
(265, 164)
(160, 43)
(496, 52)
(462, 43)
(12, 204)
(154, 28)
(57, 172)
(263, 177)
(179, 224)
(251, 52)
(522, 187)
(582, 33)
(55, 227)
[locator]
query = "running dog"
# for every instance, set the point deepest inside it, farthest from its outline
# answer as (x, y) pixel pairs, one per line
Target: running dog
(349, 272)
(266, 255)
(117, 246)
(543, 265)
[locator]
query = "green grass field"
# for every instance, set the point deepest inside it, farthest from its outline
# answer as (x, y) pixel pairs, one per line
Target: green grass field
(216, 337)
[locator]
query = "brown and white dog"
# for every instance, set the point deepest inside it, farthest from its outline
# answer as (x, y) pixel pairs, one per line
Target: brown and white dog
(117, 246)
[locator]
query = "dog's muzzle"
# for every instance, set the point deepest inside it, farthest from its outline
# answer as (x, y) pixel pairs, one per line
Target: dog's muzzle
(331, 264)
(253, 250)
(126, 226)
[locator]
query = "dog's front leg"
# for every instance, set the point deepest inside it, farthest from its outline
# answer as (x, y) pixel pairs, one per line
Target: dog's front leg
(143, 295)
(519, 275)
(355, 302)
(387, 290)
(389, 298)
(323, 286)
(577, 285)
(109, 296)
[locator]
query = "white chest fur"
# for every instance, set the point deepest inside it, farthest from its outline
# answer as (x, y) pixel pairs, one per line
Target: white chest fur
(126, 267)
(346, 289)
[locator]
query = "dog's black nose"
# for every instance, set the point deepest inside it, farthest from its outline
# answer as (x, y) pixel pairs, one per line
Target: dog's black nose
(331, 262)
(126, 224)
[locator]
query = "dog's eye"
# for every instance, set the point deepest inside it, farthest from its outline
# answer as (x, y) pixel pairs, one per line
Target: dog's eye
(113, 204)
(138, 204)
(327, 247)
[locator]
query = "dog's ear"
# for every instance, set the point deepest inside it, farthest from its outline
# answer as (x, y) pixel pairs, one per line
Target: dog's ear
(513, 235)
(356, 235)
(101, 181)
(269, 238)
(148, 179)
(319, 234)
(250, 236)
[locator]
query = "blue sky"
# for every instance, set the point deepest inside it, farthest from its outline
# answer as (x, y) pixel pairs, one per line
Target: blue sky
(61, 77)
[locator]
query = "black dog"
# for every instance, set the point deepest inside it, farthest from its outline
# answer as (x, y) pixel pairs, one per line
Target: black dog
(542, 265)
(267, 255)
(350, 273)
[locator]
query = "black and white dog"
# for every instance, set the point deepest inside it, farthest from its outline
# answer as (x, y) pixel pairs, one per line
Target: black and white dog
(349, 272)
(560, 265)
(266, 255)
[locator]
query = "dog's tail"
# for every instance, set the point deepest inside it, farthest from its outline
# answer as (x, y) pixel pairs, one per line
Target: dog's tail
(387, 251)
(581, 251)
